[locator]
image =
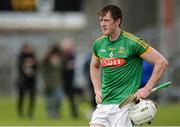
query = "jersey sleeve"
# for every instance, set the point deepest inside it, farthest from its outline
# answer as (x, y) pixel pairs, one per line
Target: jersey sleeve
(141, 48)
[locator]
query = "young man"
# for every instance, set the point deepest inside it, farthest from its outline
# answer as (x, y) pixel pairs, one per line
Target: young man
(116, 68)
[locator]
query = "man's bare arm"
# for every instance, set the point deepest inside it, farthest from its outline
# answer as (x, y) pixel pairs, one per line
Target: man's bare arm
(160, 65)
(96, 77)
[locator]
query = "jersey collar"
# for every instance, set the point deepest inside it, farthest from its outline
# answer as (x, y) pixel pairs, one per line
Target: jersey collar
(116, 39)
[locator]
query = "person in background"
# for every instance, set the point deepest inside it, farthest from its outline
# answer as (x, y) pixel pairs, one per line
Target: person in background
(86, 70)
(51, 73)
(146, 73)
(68, 68)
(27, 74)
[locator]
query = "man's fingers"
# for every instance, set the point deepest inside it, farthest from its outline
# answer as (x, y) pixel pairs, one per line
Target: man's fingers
(98, 100)
(141, 93)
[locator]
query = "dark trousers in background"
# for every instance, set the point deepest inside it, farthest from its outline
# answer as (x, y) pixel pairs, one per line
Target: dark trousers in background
(53, 102)
(70, 93)
(23, 92)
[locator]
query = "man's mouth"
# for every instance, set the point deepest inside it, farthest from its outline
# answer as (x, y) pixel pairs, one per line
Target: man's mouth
(104, 29)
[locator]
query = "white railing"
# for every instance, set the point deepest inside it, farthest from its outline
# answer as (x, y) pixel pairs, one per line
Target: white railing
(41, 21)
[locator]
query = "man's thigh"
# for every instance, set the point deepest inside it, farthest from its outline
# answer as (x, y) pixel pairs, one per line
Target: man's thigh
(120, 117)
(100, 116)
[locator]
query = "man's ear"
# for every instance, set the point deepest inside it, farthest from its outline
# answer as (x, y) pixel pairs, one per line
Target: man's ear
(118, 21)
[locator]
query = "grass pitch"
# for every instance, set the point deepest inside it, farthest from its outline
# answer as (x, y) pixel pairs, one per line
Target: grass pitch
(8, 114)
(167, 115)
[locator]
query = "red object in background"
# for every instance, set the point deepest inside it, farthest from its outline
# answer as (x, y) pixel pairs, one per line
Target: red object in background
(168, 12)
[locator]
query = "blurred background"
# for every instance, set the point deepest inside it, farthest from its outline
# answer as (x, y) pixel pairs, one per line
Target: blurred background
(57, 35)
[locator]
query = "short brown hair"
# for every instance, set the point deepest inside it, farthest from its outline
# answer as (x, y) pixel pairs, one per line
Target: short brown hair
(115, 11)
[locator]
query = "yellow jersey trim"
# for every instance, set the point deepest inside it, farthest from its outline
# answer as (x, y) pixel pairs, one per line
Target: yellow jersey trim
(149, 50)
(96, 55)
(135, 39)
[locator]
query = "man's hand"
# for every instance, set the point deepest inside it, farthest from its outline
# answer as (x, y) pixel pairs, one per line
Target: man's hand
(142, 93)
(98, 97)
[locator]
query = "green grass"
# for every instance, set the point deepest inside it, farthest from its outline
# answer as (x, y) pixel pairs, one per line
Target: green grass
(8, 114)
(167, 115)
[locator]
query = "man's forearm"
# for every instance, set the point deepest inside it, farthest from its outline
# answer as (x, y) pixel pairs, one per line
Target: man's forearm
(96, 78)
(158, 71)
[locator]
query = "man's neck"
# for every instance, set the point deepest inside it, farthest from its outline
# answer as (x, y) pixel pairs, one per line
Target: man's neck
(114, 36)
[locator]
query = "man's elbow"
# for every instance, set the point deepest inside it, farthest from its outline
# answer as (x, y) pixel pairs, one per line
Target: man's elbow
(164, 64)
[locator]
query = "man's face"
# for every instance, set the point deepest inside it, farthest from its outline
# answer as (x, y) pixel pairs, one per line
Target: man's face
(108, 25)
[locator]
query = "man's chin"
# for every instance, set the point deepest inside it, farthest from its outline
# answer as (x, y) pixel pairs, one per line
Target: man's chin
(105, 33)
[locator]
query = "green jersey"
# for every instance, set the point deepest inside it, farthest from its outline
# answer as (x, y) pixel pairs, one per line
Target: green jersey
(121, 66)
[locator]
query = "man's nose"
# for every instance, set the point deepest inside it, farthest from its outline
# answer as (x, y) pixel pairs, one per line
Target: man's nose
(103, 23)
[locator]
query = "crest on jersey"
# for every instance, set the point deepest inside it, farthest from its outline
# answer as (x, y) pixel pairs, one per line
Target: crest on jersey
(121, 50)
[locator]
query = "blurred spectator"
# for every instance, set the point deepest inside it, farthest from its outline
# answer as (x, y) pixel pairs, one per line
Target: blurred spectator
(68, 73)
(51, 69)
(146, 73)
(88, 78)
(27, 68)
